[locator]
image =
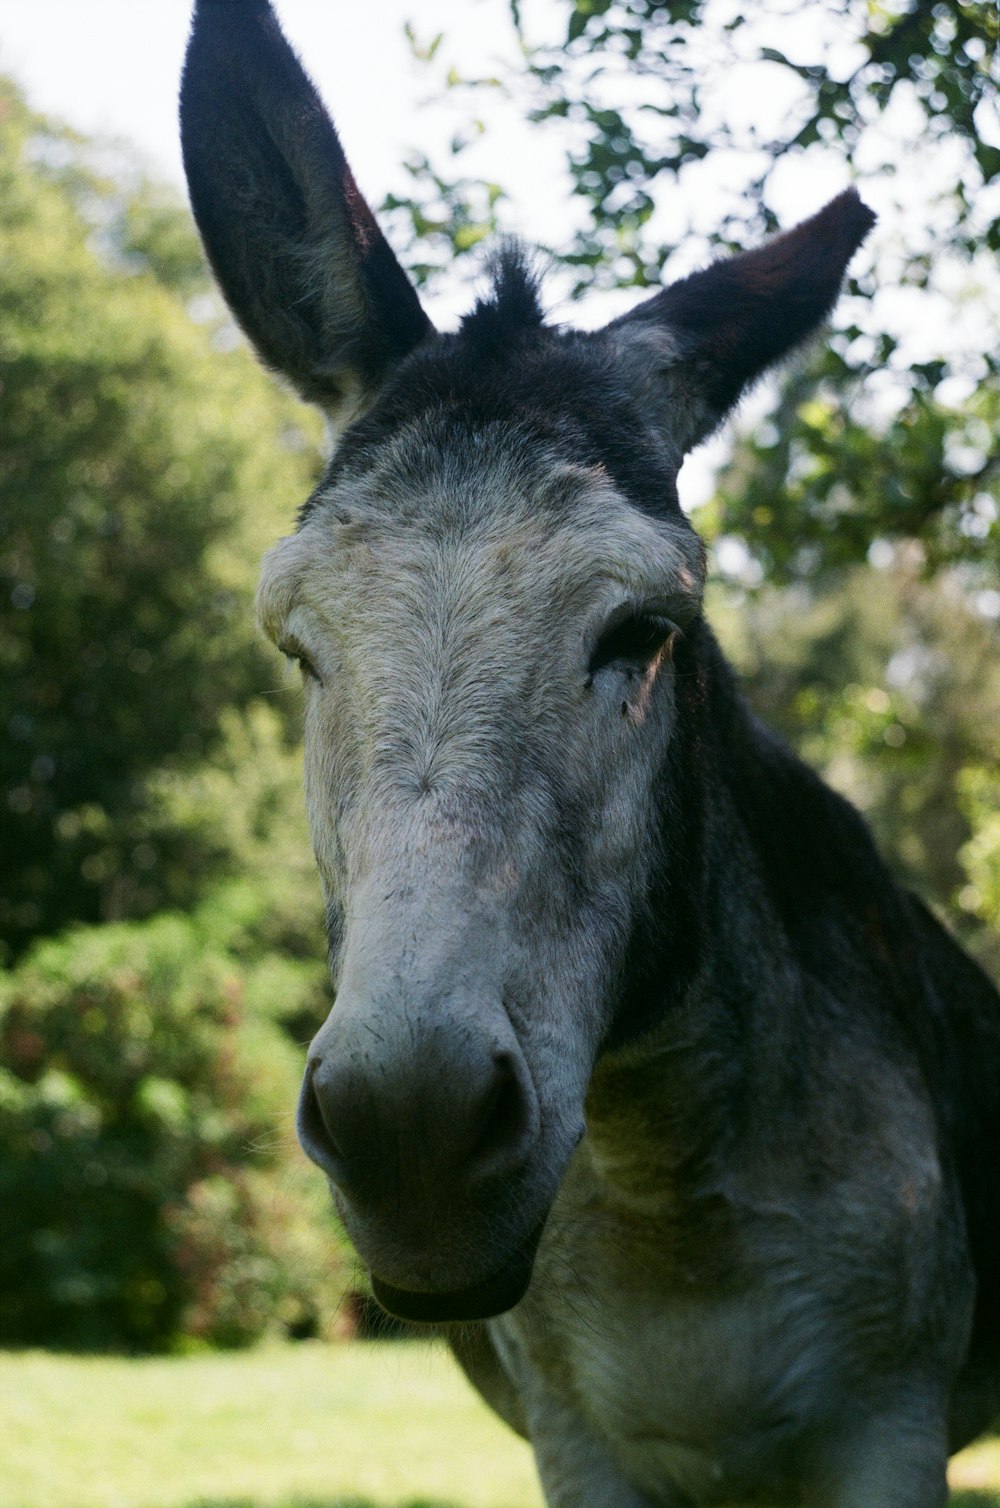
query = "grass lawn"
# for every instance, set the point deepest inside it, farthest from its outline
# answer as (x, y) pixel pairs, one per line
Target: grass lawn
(305, 1426)
(308, 1426)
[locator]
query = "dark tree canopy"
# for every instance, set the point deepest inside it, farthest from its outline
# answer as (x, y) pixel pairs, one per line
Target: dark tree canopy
(144, 468)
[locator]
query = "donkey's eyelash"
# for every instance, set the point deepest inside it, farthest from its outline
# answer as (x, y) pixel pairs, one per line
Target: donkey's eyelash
(296, 655)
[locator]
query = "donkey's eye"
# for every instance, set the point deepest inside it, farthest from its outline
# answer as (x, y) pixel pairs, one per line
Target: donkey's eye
(296, 655)
(631, 644)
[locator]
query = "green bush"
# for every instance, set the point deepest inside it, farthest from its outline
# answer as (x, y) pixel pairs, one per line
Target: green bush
(150, 1189)
(241, 815)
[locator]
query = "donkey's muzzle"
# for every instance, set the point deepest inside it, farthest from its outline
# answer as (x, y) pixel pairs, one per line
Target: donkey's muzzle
(457, 1130)
(427, 1134)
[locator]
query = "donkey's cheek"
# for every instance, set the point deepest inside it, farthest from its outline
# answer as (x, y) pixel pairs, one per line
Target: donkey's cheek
(618, 758)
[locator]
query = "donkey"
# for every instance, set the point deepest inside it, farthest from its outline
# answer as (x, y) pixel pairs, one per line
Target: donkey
(643, 1079)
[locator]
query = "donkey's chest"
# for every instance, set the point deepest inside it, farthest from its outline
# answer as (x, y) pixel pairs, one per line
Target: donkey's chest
(691, 1381)
(689, 1398)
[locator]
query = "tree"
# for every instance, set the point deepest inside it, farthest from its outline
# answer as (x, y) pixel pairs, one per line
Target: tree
(148, 1195)
(146, 462)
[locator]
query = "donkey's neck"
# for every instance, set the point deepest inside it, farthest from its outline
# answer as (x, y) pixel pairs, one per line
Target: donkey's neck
(764, 866)
(780, 865)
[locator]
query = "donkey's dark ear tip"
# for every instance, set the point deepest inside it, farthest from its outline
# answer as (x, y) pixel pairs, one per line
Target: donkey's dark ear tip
(230, 12)
(233, 6)
(848, 217)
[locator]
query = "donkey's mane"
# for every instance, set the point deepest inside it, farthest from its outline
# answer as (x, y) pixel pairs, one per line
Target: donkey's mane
(512, 305)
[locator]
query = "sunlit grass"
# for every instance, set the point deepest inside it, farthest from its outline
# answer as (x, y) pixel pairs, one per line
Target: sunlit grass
(975, 1476)
(309, 1426)
(289, 1427)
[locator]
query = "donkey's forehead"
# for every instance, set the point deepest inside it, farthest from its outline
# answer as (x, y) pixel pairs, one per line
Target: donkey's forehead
(441, 471)
(493, 492)
(550, 397)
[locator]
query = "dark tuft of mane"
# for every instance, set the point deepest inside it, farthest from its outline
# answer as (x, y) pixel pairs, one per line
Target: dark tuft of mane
(512, 306)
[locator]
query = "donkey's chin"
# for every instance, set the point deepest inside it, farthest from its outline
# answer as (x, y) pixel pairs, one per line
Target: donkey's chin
(495, 1295)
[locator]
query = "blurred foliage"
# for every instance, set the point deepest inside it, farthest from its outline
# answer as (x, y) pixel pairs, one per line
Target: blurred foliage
(979, 794)
(824, 478)
(440, 219)
(144, 466)
(148, 1186)
(837, 76)
(151, 1193)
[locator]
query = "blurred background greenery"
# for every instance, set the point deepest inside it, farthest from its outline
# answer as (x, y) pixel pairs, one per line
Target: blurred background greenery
(160, 921)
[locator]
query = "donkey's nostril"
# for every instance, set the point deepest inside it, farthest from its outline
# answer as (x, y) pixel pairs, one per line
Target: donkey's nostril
(315, 1136)
(508, 1120)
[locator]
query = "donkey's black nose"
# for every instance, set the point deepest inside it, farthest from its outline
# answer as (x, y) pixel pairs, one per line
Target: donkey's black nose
(443, 1127)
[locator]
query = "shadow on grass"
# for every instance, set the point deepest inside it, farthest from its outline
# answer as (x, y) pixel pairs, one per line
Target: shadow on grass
(967, 1497)
(354, 1503)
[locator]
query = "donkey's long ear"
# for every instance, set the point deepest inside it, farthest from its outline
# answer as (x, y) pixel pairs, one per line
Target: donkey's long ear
(298, 254)
(691, 350)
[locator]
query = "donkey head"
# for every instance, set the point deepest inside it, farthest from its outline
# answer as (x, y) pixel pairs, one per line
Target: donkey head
(494, 599)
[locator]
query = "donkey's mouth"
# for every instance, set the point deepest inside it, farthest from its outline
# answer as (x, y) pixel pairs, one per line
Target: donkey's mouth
(494, 1296)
